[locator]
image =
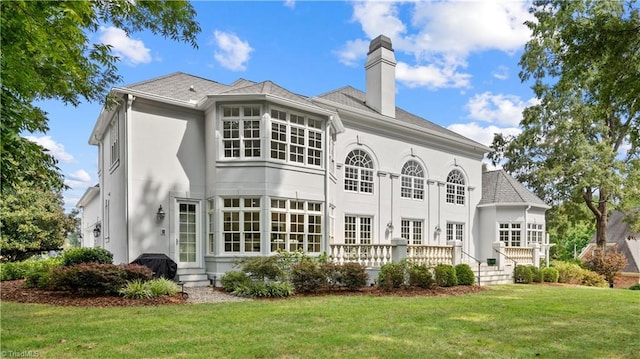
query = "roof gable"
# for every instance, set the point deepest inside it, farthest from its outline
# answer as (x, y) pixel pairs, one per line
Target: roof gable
(179, 86)
(498, 187)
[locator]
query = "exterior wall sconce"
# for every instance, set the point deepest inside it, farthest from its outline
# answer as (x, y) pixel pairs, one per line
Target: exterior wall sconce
(390, 227)
(97, 230)
(438, 229)
(160, 214)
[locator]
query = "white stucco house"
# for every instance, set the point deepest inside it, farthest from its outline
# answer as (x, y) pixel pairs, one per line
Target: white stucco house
(207, 173)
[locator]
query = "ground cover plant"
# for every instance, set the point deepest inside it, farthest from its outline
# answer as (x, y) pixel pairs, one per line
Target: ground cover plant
(511, 321)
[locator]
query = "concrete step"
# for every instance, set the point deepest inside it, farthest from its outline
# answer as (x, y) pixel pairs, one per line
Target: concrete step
(193, 279)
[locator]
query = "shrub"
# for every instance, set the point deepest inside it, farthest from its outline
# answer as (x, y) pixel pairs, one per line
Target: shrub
(333, 273)
(257, 289)
(570, 273)
(536, 275)
(38, 274)
(609, 264)
(522, 274)
(307, 277)
(263, 268)
(446, 275)
(549, 275)
(420, 276)
(391, 276)
(465, 275)
(75, 256)
(12, 270)
(136, 289)
(96, 278)
(353, 276)
(231, 280)
(593, 279)
(162, 286)
(635, 287)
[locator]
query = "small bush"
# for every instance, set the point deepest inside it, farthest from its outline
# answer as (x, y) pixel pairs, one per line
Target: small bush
(446, 275)
(38, 274)
(307, 277)
(635, 287)
(136, 289)
(233, 279)
(420, 276)
(353, 276)
(12, 270)
(608, 264)
(391, 276)
(536, 275)
(569, 273)
(549, 275)
(75, 256)
(257, 289)
(593, 279)
(333, 273)
(465, 275)
(96, 278)
(523, 274)
(160, 287)
(263, 268)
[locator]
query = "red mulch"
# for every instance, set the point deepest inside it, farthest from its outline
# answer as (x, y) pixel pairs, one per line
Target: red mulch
(14, 291)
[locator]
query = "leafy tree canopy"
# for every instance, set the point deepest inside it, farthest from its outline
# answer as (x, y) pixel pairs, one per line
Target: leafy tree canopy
(46, 53)
(581, 142)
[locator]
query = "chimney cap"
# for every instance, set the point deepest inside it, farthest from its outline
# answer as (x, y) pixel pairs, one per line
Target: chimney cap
(378, 42)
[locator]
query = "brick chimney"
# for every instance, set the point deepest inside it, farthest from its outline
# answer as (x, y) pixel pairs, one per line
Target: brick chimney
(381, 76)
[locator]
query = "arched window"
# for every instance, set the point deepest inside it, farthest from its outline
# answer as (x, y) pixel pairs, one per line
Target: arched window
(455, 187)
(412, 182)
(358, 172)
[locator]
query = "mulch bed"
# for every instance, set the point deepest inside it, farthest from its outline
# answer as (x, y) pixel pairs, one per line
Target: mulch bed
(14, 291)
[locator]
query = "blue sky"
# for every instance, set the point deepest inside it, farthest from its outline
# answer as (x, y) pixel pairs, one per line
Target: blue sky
(457, 63)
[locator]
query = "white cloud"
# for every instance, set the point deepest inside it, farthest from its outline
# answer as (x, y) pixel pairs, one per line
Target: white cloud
(55, 149)
(132, 51)
(497, 108)
(481, 134)
(80, 175)
(232, 53)
(79, 179)
(290, 3)
(431, 76)
(501, 73)
(440, 35)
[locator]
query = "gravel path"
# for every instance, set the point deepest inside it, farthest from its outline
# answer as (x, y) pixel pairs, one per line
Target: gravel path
(210, 295)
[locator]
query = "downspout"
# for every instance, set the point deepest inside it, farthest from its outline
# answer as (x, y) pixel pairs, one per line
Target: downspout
(326, 224)
(127, 116)
(526, 223)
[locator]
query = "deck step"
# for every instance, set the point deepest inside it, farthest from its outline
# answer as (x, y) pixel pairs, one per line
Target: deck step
(193, 278)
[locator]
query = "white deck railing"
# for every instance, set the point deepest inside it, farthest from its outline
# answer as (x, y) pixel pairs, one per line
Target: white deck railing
(369, 255)
(519, 254)
(430, 255)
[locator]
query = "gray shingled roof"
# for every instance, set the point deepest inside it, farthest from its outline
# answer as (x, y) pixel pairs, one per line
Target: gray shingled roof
(265, 87)
(499, 187)
(178, 86)
(355, 98)
(618, 232)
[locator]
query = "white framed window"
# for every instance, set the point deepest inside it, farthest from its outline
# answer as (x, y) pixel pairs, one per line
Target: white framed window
(241, 225)
(358, 229)
(455, 187)
(535, 233)
(296, 138)
(412, 180)
(358, 172)
(241, 131)
(411, 230)
(510, 234)
(454, 231)
(114, 139)
(296, 225)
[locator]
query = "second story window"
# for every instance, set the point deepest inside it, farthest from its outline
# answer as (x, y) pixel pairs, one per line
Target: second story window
(296, 138)
(241, 131)
(114, 141)
(412, 184)
(455, 187)
(358, 172)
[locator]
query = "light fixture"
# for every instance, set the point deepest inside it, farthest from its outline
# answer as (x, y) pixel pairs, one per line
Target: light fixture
(160, 214)
(438, 229)
(97, 230)
(390, 227)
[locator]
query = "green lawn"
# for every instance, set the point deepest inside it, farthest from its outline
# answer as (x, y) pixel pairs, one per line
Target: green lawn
(516, 321)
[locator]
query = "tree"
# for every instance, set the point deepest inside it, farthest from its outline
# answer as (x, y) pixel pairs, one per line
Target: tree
(581, 142)
(570, 226)
(46, 53)
(32, 220)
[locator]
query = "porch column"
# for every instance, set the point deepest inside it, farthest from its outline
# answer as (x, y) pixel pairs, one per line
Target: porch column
(456, 253)
(536, 254)
(498, 251)
(398, 249)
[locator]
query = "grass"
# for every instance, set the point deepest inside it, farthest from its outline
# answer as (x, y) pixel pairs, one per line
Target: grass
(516, 321)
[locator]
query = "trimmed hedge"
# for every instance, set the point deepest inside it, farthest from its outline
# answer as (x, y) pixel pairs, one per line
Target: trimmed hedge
(465, 275)
(446, 275)
(391, 276)
(523, 274)
(352, 276)
(97, 278)
(308, 277)
(420, 276)
(233, 279)
(549, 275)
